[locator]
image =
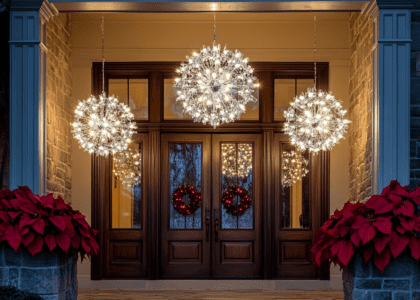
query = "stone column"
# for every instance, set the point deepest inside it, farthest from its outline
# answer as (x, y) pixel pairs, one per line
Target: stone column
(27, 93)
(391, 91)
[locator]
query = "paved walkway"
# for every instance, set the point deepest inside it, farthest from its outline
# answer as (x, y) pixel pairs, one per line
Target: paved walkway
(208, 295)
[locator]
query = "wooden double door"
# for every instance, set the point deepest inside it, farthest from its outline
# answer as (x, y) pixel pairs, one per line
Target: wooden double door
(210, 243)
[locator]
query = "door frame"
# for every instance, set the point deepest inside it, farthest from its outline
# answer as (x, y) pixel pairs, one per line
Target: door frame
(156, 72)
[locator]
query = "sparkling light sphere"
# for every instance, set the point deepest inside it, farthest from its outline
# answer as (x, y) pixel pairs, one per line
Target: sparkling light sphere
(127, 166)
(315, 121)
(103, 125)
(215, 85)
(236, 163)
(294, 167)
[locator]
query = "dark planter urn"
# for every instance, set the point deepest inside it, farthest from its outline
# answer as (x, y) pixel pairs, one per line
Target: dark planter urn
(52, 275)
(399, 281)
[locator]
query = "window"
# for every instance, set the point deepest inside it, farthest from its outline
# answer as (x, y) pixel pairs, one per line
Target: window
(133, 92)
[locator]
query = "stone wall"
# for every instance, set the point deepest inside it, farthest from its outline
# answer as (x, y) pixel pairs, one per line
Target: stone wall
(360, 130)
(415, 100)
(59, 116)
(4, 95)
(53, 276)
(399, 281)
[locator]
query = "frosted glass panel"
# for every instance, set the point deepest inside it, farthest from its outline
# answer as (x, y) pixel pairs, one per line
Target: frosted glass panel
(237, 169)
(134, 93)
(185, 168)
(139, 98)
(284, 91)
(126, 201)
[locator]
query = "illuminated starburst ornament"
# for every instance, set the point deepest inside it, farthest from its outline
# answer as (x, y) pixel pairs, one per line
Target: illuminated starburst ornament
(215, 85)
(294, 167)
(236, 162)
(315, 121)
(103, 125)
(127, 167)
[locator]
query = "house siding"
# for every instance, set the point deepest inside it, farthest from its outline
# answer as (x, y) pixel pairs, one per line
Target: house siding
(4, 98)
(415, 99)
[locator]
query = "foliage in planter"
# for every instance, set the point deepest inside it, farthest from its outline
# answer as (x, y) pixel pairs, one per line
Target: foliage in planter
(12, 293)
(39, 222)
(381, 229)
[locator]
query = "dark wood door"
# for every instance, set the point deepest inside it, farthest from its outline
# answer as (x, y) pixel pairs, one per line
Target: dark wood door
(210, 243)
(185, 240)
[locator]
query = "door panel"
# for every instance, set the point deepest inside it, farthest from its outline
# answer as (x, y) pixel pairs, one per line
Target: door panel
(125, 233)
(237, 249)
(296, 205)
(185, 252)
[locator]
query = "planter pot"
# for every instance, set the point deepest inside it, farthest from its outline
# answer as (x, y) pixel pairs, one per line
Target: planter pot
(400, 280)
(53, 275)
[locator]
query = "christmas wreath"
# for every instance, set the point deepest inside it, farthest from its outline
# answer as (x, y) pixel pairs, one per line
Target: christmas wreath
(194, 199)
(243, 204)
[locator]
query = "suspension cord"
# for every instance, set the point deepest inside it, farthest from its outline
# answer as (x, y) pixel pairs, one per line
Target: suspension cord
(214, 28)
(103, 56)
(315, 49)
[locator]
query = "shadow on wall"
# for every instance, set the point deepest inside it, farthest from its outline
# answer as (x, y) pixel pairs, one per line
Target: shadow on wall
(4, 97)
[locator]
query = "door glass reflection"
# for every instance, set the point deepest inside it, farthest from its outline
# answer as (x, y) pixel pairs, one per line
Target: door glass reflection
(185, 168)
(294, 187)
(237, 169)
(127, 189)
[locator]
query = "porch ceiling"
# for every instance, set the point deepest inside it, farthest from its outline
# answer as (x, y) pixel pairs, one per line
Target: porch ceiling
(282, 6)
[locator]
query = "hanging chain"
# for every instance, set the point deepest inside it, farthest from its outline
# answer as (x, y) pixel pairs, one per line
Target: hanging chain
(214, 28)
(103, 56)
(315, 49)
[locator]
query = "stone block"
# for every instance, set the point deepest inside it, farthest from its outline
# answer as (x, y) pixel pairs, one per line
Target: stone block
(415, 36)
(414, 163)
(415, 295)
(396, 284)
(401, 267)
(368, 284)
(13, 277)
(382, 295)
(402, 296)
(4, 275)
(360, 270)
(362, 295)
(42, 259)
(11, 257)
(40, 280)
(413, 149)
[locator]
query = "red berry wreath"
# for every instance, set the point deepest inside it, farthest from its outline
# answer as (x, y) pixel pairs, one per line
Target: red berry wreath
(194, 198)
(243, 204)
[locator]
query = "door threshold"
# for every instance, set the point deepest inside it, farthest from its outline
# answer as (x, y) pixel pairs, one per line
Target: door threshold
(227, 284)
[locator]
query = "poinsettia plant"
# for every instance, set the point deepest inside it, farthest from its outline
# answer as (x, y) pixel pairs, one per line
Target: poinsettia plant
(38, 222)
(381, 229)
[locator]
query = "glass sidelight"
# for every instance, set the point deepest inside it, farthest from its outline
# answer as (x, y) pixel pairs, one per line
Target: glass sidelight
(127, 198)
(237, 169)
(295, 188)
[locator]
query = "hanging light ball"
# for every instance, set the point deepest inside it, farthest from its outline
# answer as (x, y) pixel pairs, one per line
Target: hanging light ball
(315, 121)
(103, 125)
(215, 86)
(294, 167)
(127, 166)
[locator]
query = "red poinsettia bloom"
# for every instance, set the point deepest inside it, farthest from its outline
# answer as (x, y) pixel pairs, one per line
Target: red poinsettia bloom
(382, 228)
(43, 221)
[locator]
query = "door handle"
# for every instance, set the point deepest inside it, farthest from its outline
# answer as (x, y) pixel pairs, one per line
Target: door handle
(216, 223)
(207, 224)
